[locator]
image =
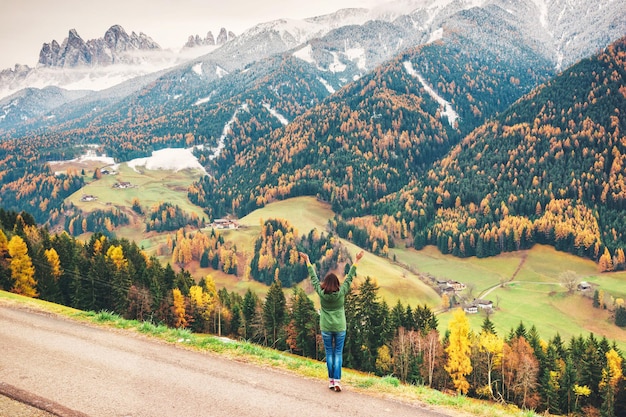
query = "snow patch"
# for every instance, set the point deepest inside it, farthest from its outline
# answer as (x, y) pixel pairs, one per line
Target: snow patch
(305, 54)
(203, 100)
(543, 12)
(197, 68)
(221, 72)
(220, 143)
(282, 119)
(357, 55)
(90, 155)
(448, 110)
(327, 85)
(337, 65)
(435, 36)
(172, 159)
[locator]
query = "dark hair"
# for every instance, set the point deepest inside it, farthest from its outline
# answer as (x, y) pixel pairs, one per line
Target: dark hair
(330, 284)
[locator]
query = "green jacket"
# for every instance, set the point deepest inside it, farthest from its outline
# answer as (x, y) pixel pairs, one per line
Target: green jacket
(333, 314)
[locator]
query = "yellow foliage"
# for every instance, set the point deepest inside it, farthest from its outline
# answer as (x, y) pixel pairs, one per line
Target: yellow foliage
(384, 362)
(116, 255)
(22, 269)
(459, 364)
(178, 308)
(612, 374)
(55, 263)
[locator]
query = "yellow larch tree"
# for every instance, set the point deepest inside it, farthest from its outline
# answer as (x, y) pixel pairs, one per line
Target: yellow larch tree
(22, 269)
(116, 255)
(4, 253)
(201, 302)
(55, 263)
(606, 261)
(178, 309)
(611, 376)
(4, 243)
(491, 346)
(459, 364)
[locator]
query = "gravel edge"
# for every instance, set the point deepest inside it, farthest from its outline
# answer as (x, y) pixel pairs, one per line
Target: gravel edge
(24, 400)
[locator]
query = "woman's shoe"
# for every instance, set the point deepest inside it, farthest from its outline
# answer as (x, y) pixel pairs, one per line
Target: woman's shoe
(331, 384)
(337, 386)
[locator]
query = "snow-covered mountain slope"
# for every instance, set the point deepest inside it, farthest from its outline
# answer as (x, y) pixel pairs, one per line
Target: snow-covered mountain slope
(96, 64)
(30, 103)
(347, 43)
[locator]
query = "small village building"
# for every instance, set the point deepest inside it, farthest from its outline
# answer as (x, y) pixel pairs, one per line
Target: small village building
(450, 287)
(122, 184)
(458, 286)
(88, 197)
(224, 224)
(449, 291)
(471, 308)
(484, 304)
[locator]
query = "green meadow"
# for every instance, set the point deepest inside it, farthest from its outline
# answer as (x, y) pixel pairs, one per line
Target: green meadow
(524, 286)
(150, 187)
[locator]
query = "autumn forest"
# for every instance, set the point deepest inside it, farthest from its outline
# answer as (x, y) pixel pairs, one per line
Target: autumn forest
(535, 157)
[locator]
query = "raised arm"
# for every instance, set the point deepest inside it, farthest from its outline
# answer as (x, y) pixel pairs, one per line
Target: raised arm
(359, 256)
(346, 283)
(312, 274)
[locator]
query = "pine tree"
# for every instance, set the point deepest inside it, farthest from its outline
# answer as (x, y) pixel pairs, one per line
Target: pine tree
(396, 317)
(488, 326)
(5, 272)
(121, 280)
(591, 368)
(620, 316)
(235, 321)
(371, 315)
(303, 321)
(249, 310)
(567, 385)
(47, 274)
(274, 315)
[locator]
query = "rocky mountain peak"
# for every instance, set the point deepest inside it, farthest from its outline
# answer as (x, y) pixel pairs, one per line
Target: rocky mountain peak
(223, 37)
(113, 48)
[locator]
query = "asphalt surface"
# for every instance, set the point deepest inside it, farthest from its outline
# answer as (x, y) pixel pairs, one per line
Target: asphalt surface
(76, 370)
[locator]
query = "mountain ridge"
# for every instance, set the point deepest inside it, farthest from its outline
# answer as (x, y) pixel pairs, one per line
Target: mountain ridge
(553, 25)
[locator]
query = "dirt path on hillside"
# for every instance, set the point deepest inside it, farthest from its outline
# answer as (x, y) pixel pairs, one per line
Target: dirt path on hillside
(485, 293)
(94, 371)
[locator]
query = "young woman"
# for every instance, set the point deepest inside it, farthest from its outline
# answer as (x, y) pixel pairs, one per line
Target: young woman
(332, 317)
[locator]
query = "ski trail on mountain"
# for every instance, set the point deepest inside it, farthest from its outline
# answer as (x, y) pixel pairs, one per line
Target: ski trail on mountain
(448, 111)
(220, 144)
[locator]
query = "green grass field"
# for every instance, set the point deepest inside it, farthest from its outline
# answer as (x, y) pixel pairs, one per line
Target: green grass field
(151, 187)
(536, 297)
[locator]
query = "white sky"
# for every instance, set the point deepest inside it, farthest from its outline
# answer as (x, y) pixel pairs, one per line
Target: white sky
(26, 24)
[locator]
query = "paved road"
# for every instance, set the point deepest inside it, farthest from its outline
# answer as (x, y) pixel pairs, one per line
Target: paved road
(103, 372)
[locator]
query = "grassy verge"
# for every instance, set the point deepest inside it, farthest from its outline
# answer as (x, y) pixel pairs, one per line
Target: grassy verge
(389, 386)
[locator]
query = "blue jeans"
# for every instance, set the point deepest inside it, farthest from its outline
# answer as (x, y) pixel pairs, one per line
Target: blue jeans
(333, 346)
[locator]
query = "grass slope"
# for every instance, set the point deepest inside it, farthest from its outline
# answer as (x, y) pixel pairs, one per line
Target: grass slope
(151, 187)
(525, 287)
